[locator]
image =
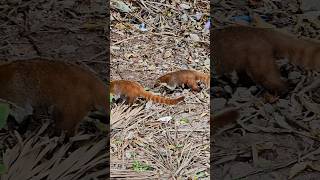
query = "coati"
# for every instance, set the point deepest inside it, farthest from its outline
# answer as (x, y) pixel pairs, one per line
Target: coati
(132, 90)
(184, 77)
(254, 51)
(67, 90)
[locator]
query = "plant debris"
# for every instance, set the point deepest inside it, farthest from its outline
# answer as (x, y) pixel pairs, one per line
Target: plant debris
(175, 38)
(73, 31)
(276, 137)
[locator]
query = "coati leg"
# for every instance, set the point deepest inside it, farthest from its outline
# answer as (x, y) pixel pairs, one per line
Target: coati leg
(58, 118)
(67, 119)
(130, 100)
(265, 72)
(193, 85)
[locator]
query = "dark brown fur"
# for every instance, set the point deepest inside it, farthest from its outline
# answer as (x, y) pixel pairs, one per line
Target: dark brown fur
(184, 77)
(133, 90)
(255, 51)
(68, 89)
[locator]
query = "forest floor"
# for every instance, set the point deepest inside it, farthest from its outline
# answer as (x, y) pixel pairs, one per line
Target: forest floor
(277, 140)
(149, 140)
(68, 30)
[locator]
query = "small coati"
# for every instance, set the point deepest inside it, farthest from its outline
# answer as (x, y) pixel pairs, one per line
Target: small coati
(132, 90)
(189, 78)
(66, 89)
(254, 51)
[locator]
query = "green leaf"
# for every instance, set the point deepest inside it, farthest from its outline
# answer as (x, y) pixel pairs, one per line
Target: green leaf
(4, 113)
(3, 168)
(138, 166)
(184, 121)
(117, 142)
(179, 146)
(111, 97)
(201, 174)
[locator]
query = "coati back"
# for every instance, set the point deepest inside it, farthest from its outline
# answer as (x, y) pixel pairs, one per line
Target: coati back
(133, 90)
(186, 77)
(255, 51)
(67, 89)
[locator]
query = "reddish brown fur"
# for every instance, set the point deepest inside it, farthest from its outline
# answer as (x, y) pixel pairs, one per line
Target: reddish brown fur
(133, 90)
(186, 77)
(254, 51)
(69, 89)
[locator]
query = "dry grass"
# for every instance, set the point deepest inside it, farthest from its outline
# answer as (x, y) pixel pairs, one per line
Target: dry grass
(143, 146)
(38, 156)
(167, 150)
(70, 30)
(270, 141)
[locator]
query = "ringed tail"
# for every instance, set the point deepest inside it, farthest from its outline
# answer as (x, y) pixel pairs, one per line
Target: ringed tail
(160, 99)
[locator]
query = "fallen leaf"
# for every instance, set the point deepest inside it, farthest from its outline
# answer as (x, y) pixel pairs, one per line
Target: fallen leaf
(165, 119)
(184, 121)
(120, 26)
(194, 37)
(297, 168)
(184, 6)
(167, 54)
(123, 7)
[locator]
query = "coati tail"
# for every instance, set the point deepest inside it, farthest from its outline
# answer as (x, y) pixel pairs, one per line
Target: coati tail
(162, 100)
(307, 57)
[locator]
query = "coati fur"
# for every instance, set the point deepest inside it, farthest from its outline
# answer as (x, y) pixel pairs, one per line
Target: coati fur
(254, 51)
(132, 90)
(66, 89)
(189, 78)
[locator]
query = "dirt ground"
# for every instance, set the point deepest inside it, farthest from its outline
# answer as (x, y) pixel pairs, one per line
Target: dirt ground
(74, 31)
(270, 141)
(150, 140)
(70, 30)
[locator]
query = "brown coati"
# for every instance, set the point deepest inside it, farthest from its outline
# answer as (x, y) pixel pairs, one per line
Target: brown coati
(132, 90)
(189, 78)
(66, 89)
(254, 51)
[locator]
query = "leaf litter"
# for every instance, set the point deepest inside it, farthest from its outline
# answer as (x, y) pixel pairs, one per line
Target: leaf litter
(70, 30)
(159, 37)
(277, 138)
